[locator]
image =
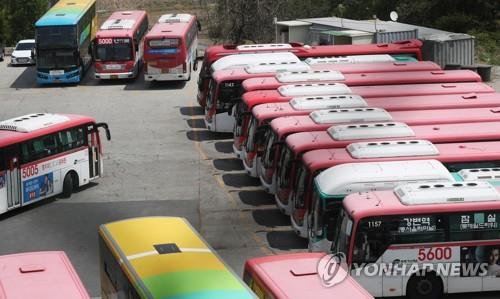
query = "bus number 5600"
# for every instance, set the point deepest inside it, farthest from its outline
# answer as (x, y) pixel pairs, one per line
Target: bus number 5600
(437, 253)
(30, 171)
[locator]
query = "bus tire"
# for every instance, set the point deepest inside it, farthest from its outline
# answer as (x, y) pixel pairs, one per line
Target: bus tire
(424, 285)
(69, 184)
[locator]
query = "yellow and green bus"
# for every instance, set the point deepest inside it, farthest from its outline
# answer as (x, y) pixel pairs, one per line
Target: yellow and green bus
(163, 257)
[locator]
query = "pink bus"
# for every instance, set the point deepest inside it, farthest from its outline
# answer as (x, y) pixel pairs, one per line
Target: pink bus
(360, 79)
(225, 87)
(288, 93)
(340, 136)
(303, 106)
(408, 48)
(41, 275)
(295, 276)
(118, 45)
(454, 156)
(274, 134)
(427, 227)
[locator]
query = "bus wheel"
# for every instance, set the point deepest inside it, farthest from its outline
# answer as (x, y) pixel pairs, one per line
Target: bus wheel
(424, 285)
(68, 185)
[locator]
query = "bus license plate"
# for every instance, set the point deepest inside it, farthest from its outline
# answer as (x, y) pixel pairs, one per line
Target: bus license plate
(56, 72)
(114, 76)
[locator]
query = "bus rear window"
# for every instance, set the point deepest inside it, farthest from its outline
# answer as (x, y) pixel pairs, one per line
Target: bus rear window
(164, 43)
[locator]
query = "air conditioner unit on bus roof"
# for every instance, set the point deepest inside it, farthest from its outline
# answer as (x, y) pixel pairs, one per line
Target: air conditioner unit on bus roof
(446, 192)
(370, 131)
(32, 122)
(349, 115)
(390, 149)
(328, 102)
(311, 75)
(313, 89)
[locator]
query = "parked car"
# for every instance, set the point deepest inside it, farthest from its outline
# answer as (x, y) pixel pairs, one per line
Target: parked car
(23, 52)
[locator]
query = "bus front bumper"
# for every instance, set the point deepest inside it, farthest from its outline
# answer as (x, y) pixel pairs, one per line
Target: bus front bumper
(166, 77)
(107, 76)
(69, 77)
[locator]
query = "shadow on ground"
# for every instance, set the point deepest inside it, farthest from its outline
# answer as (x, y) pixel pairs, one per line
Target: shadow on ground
(239, 180)
(270, 217)
(197, 135)
(225, 147)
(196, 123)
(192, 111)
(285, 240)
(256, 198)
(231, 164)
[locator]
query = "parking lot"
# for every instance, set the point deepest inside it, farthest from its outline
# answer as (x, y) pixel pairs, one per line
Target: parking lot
(161, 161)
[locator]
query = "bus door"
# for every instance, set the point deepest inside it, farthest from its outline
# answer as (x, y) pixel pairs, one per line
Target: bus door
(94, 143)
(94, 153)
(11, 178)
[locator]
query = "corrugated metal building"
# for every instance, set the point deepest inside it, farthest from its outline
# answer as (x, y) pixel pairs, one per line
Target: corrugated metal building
(440, 46)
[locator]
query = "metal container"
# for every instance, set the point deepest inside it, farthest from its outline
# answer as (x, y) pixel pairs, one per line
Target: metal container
(388, 37)
(449, 49)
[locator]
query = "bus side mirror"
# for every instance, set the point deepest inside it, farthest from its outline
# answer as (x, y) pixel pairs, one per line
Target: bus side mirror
(198, 24)
(106, 129)
(92, 49)
(195, 64)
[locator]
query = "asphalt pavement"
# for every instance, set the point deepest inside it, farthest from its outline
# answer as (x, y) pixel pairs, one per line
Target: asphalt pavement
(161, 161)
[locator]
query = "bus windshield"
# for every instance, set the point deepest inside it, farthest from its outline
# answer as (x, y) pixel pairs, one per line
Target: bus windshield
(341, 234)
(211, 93)
(252, 131)
(114, 51)
(284, 169)
(56, 37)
(302, 179)
(56, 59)
(230, 92)
(267, 155)
(165, 43)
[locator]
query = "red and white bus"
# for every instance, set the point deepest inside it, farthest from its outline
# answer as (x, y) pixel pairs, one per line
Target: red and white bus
(288, 92)
(444, 238)
(43, 155)
(225, 89)
(281, 128)
(170, 48)
(361, 78)
(242, 115)
(341, 136)
(41, 275)
(118, 45)
(295, 276)
(302, 106)
(220, 110)
(410, 48)
(454, 156)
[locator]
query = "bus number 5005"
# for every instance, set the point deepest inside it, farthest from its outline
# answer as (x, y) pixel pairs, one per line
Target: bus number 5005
(30, 171)
(438, 253)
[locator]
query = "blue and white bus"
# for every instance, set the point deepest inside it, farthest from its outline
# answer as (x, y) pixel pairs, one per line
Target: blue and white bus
(63, 39)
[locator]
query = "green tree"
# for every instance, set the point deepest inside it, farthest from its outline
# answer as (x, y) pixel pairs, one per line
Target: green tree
(17, 19)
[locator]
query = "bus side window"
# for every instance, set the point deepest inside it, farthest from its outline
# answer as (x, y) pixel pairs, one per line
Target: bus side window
(72, 138)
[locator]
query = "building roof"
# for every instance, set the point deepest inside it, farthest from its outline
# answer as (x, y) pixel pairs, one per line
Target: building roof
(373, 26)
(294, 23)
